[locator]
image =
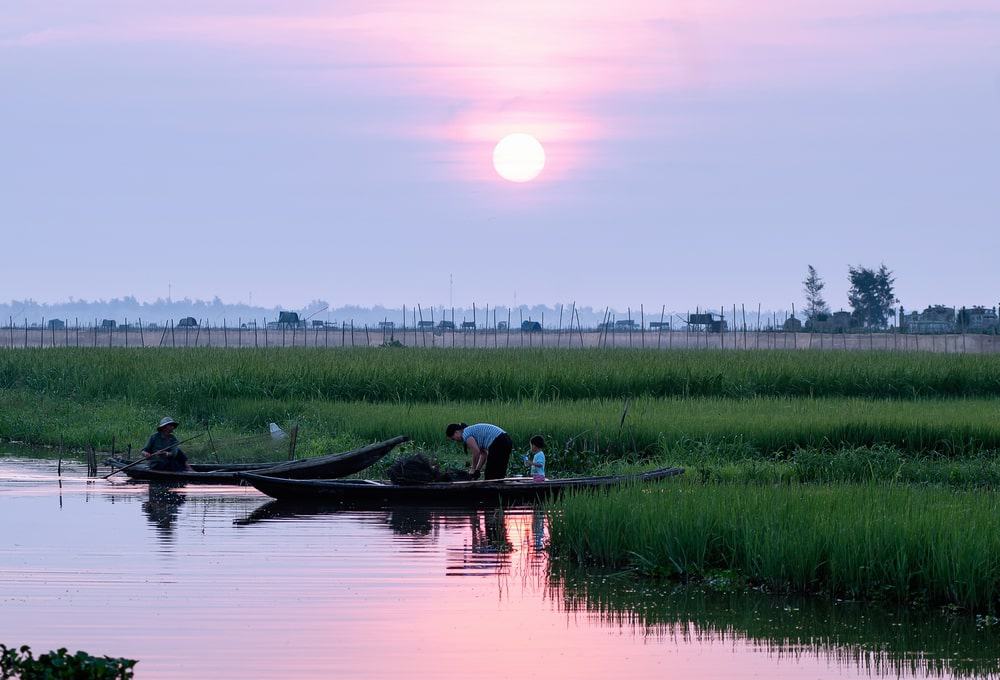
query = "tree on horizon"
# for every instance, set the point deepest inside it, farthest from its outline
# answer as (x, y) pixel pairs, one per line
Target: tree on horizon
(813, 287)
(871, 296)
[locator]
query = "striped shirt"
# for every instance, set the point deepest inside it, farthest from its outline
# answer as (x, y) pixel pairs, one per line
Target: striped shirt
(482, 433)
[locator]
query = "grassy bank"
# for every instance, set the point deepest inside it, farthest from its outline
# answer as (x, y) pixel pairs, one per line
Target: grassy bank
(191, 376)
(882, 542)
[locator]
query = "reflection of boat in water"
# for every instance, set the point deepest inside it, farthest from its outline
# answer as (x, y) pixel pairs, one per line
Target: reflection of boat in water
(511, 490)
(403, 520)
(331, 466)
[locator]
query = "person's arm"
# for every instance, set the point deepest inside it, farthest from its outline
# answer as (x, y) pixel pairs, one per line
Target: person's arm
(149, 449)
(478, 455)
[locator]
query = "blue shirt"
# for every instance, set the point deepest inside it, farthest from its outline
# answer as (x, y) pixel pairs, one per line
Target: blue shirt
(482, 433)
(538, 464)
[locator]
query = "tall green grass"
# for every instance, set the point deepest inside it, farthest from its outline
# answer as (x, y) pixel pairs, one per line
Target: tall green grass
(893, 543)
(763, 426)
(183, 376)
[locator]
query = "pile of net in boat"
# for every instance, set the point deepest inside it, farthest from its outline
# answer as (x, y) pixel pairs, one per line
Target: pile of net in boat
(418, 469)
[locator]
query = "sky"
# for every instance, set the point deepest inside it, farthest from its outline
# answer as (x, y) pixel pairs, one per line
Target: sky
(698, 153)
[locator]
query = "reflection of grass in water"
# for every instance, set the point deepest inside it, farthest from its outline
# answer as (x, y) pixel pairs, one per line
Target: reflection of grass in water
(881, 542)
(875, 640)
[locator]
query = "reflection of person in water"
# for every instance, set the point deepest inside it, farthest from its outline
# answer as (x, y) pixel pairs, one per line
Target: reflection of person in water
(494, 539)
(162, 508)
(538, 529)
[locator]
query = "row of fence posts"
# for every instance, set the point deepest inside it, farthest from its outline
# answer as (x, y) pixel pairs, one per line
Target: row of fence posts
(735, 337)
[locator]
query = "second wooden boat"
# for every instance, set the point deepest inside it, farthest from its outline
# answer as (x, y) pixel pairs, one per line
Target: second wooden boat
(332, 466)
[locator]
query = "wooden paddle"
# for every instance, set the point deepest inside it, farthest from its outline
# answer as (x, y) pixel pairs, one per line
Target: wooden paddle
(158, 453)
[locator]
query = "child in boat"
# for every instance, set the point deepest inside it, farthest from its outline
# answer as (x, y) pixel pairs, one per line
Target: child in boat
(536, 459)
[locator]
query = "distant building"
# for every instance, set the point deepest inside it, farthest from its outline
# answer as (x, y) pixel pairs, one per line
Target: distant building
(792, 325)
(386, 325)
(707, 321)
(531, 327)
(978, 320)
(934, 319)
(56, 324)
(316, 323)
(626, 325)
(659, 325)
(108, 323)
(443, 325)
(188, 322)
(838, 322)
(290, 320)
(468, 325)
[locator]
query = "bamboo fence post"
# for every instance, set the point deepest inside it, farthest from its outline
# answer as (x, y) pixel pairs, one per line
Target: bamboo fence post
(559, 330)
(225, 333)
(368, 341)
(659, 331)
(474, 325)
(642, 325)
(508, 327)
(352, 332)
(423, 334)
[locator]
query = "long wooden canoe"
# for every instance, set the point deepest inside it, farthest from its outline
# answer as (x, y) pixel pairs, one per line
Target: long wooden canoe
(331, 466)
(367, 492)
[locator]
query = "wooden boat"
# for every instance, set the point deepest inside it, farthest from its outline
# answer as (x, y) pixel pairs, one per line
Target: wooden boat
(366, 492)
(331, 466)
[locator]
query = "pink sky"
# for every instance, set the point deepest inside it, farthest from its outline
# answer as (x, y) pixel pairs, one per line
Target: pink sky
(235, 124)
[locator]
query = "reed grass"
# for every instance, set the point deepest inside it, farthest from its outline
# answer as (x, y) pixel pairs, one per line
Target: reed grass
(195, 375)
(882, 542)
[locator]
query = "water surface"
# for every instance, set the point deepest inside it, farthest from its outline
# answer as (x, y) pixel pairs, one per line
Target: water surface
(220, 582)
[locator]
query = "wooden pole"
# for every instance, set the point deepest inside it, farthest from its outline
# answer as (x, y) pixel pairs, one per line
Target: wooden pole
(642, 325)
(559, 330)
(292, 441)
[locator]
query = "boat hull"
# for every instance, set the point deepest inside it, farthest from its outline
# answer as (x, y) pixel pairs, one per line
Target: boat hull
(332, 466)
(507, 491)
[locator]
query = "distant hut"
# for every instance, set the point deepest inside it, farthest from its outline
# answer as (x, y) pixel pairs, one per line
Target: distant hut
(56, 324)
(290, 320)
(108, 323)
(531, 327)
(792, 325)
(188, 322)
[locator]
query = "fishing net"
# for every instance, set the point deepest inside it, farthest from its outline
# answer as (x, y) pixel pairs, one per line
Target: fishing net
(418, 469)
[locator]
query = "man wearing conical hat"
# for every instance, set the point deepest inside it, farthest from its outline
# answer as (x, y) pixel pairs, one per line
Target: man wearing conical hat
(163, 451)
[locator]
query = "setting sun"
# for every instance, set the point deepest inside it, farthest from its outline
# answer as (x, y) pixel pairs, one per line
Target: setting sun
(518, 157)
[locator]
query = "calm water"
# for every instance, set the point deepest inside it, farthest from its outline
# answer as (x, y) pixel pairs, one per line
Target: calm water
(218, 582)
